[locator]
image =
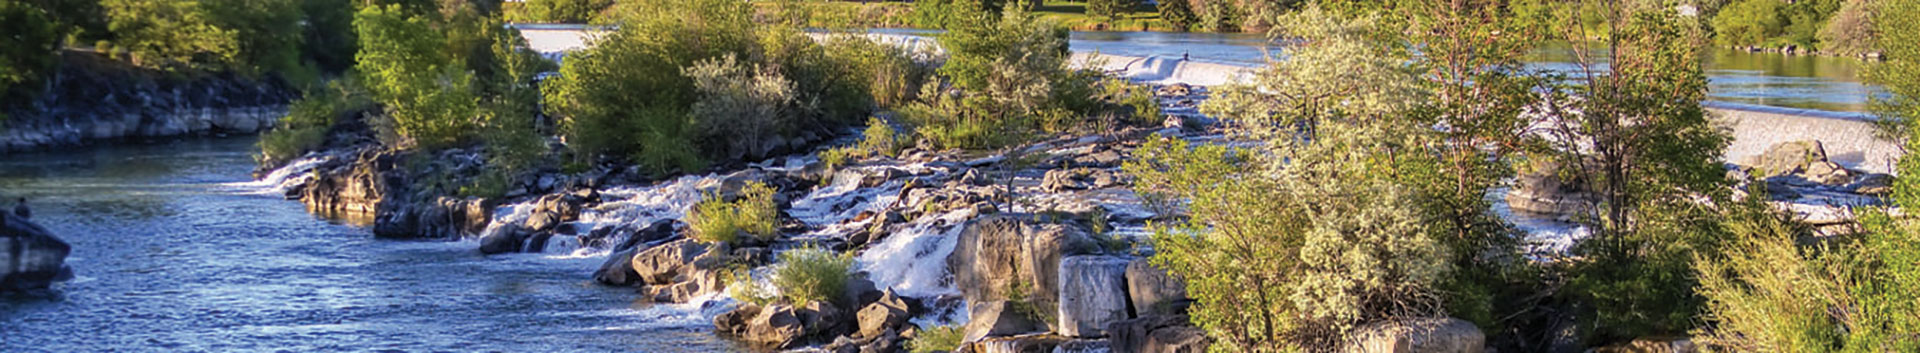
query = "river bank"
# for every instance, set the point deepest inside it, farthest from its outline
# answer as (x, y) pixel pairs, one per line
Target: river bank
(93, 99)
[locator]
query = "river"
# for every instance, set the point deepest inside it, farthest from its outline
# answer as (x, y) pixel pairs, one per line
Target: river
(177, 249)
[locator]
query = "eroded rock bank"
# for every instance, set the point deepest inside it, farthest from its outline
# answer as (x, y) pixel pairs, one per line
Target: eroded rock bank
(92, 99)
(31, 258)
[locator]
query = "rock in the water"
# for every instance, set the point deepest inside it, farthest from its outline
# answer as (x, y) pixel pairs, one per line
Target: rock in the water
(1546, 192)
(779, 325)
(30, 256)
(618, 270)
(1435, 335)
(884, 315)
(1058, 180)
(1154, 291)
(1033, 343)
(1872, 184)
(1157, 334)
(994, 252)
(1787, 158)
(997, 318)
(507, 240)
(1093, 293)
(666, 263)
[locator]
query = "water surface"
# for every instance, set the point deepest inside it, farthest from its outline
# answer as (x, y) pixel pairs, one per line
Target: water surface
(176, 250)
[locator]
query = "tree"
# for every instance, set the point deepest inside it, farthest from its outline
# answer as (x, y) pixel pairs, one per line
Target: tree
(563, 11)
(404, 64)
(1849, 31)
(1294, 243)
(1109, 9)
(28, 51)
(1749, 22)
(1178, 13)
(1649, 150)
(171, 34)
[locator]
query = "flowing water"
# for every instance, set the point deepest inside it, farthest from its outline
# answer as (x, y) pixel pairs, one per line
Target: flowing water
(1734, 77)
(177, 249)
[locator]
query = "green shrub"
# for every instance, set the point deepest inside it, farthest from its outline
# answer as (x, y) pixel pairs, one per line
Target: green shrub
(807, 275)
(742, 287)
(839, 156)
(308, 119)
(937, 339)
(403, 63)
(1179, 14)
(741, 107)
(558, 11)
(880, 139)
(715, 220)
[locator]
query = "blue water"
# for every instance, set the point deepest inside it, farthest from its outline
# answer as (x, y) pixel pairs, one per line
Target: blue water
(174, 251)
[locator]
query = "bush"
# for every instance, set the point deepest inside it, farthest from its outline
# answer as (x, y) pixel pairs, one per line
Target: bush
(1850, 31)
(937, 339)
(402, 62)
(1179, 14)
(880, 139)
(742, 108)
(715, 220)
(1765, 292)
(304, 128)
(559, 11)
(27, 51)
(808, 275)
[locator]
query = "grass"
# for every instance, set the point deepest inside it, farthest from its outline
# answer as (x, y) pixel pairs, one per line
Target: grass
(715, 220)
(937, 339)
(808, 275)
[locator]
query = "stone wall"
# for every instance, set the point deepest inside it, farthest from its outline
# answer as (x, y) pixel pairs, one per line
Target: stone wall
(26, 135)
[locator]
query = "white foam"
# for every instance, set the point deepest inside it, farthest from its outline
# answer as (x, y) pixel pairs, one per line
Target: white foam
(277, 182)
(913, 261)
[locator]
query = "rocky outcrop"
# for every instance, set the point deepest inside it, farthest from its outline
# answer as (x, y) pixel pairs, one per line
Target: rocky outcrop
(93, 99)
(1650, 345)
(1157, 334)
(370, 183)
(1152, 290)
(1093, 293)
(1544, 191)
(30, 256)
(1032, 343)
(1434, 335)
(995, 252)
(678, 271)
(998, 318)
(779, 326)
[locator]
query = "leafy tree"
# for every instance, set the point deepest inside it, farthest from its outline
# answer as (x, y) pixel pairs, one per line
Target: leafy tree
(1749, 22)
(427, 92)
(1109, 9)
(28, 51)
(330, 44)
(1480, 93)
(267, 36)
(172, 34)
(1272, 270)
(1649, 151)
(1849, 31)
(1179, 14)
(562, 11)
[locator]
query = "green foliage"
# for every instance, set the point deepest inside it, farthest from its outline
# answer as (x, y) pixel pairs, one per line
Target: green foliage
(880, 139)
(1008, 79)
(937, 339)
(1900, 109)
(305, 127)
(808, 275)
(890, 77)
(1767, 293)
(1109, 9)
(171, 34)
(1643, 110)
(28, 51)
(716, 220)
(741, 286)
(330, 44)
(1178, 13)
(428, 94)
(1749, 22)
(1850, 30)
(741, 107)
(558, 11)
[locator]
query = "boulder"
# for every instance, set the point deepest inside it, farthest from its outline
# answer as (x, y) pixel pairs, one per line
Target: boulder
(1431, 335)
(1083, 346)
(995, 252)
(1093, 293)
(884, 315)
(1157, 334)
(1651, 345)
(666, 263)
(1151, 290)
(778, 326)
(1871, 184)
(30, 256)
(618, 270)
(1033, 343)
(1543, 191)
(1059, 180)
(1787, 158)
(997, 318)
(507, 239)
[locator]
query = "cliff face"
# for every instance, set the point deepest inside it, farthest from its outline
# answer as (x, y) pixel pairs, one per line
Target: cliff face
(94, 99)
